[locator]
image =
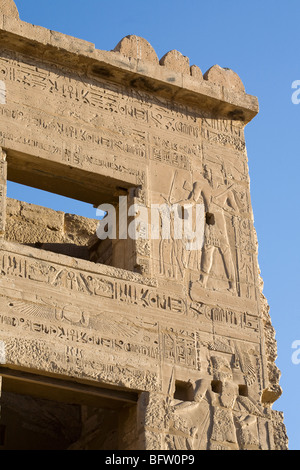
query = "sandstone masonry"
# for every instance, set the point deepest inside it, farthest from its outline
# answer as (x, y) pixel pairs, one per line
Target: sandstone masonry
(128, 344)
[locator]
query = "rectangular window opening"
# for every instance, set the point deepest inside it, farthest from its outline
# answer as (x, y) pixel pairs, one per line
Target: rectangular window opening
(62, 225)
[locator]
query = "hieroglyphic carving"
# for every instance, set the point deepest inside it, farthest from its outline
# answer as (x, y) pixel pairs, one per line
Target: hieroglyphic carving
(113, 341)
(137, 143)
(3, 178)
(90, 284)
(225, 132)
(24, 351)
(222, 186)
(33, 268)
(108, 98)
(192, 315)
(181, 348)
(78, 138)
(173, 152)
(78, 158)
(225, 316)
(246, 251)
(82, 338)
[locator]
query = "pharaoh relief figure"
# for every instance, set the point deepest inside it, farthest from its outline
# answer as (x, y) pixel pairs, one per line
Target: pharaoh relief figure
(218, 194)
(218, 417)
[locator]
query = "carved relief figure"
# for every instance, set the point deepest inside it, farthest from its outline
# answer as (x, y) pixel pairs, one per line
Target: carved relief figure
(218, 418)
(220, 199)
(174, 256)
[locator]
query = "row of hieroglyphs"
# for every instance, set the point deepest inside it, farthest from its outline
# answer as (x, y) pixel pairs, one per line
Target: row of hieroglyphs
(74, 156)
(108, 335)
(133, 142)
(89, 283)
(104, 333)
(71, 359)
(105, 97)
(116, 100)
(79, 145)
(129, 141)
(128, 292)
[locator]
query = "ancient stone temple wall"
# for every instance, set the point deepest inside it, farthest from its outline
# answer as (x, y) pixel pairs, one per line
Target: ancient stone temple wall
(134, 342)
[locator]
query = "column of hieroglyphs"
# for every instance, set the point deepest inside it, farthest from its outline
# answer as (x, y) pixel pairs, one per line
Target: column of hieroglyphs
(3, 177)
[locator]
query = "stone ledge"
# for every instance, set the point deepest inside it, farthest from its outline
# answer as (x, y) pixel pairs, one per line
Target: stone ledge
(35, 254)
(219, 90)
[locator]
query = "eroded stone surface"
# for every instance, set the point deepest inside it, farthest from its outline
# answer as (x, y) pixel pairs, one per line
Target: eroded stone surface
(137, 48)
(224, 77)
(8, 8)
(196, 72)
(180, 341)
(176, 62)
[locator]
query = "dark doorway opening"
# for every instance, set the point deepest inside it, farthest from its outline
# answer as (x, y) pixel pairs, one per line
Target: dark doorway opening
(38, 413)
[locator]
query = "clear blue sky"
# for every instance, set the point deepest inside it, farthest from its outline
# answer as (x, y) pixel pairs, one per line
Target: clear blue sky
(260, 41)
